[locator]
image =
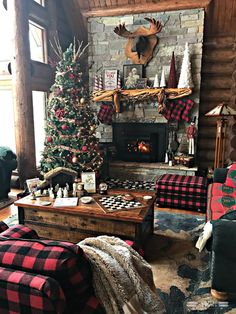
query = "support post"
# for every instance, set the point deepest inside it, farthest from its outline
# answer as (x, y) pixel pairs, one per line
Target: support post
(22, 91)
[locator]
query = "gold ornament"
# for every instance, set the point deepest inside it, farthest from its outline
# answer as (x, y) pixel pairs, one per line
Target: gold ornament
(74, 159)
(82, 100)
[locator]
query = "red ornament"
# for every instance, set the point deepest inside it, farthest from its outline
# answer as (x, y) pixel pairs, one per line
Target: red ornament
(64, 127)
(49, 139)
(71, 76)
(84, 148)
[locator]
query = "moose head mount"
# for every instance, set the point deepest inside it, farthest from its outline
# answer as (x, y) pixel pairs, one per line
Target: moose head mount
(141, 42)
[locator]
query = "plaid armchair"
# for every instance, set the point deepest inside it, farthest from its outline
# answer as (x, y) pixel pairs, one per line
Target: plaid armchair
(42, 276)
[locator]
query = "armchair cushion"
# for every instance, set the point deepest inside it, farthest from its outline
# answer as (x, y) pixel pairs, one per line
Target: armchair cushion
(231, 176)
(22, 292)
(62, 261)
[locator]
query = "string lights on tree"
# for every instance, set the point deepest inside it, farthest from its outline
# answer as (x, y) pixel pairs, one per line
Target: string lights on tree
(71, 140)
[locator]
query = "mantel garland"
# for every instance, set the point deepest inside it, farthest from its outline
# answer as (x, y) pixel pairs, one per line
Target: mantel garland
(137, 95)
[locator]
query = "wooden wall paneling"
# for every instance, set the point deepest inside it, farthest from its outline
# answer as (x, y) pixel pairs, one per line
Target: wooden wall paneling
(131, 8)
(221, 18)
(75, 20)
(21, 86)
(83, 4)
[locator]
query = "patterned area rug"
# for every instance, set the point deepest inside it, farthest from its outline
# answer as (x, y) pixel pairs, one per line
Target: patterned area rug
(6, 202)
(181, 273)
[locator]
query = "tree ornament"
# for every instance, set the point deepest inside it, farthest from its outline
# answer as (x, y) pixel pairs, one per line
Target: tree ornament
(64, 127)
(59, 113)
(84, 148)
(163, 80)
(49, 139)
(156, 81)
(71, 76)
(172, 81)
(82, 100)
(185, 79)
(74, 159)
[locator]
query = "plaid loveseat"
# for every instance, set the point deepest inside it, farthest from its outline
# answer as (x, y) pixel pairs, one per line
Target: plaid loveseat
(43, 276)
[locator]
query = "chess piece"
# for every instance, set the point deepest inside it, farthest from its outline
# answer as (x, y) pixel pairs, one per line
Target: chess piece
(59, 193)
(74, 192)
(65, 192)
(51, 194)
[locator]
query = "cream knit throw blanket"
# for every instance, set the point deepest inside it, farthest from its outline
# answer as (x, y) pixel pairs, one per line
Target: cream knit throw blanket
(122, 279)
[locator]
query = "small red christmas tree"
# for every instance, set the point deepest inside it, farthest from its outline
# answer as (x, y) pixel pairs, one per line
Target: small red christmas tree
(172, 81)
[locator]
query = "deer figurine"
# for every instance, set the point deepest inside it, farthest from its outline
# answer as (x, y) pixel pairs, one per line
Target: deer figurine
(141, 42)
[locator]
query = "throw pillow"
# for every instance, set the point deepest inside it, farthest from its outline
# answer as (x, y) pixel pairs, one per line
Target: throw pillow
(231, 176)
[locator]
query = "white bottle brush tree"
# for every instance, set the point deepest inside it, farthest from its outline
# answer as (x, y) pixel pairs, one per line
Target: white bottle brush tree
(185, 79)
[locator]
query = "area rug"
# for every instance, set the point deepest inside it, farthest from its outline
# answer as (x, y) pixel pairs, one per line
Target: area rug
(6, 202)
(181, 273)
(12, 220)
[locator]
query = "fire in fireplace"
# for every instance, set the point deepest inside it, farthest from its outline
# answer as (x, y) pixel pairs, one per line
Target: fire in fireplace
(144, 142)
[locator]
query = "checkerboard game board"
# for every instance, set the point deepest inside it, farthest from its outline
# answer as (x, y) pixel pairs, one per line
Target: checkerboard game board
(130, 185)
(112, 203)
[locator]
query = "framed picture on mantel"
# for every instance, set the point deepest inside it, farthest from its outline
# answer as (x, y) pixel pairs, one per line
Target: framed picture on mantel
(131, 73)
(110, 79)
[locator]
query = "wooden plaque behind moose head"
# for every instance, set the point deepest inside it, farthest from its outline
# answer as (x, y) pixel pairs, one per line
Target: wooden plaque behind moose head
(141, 42)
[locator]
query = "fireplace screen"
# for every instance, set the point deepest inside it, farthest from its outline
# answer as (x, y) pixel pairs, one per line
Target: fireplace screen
(144, 142)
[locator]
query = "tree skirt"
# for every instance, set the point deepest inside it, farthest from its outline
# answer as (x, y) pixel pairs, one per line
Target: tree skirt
(181, 273)
(6, 202)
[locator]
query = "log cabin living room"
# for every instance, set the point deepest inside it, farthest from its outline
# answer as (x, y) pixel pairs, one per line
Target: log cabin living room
(118, 166)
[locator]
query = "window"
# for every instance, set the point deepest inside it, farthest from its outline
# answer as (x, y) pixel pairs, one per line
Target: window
(41, 2)
(7, 128)
(39, 109)
(37, 37)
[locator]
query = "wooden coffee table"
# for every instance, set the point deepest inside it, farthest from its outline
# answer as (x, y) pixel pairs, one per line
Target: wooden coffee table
(86, 220)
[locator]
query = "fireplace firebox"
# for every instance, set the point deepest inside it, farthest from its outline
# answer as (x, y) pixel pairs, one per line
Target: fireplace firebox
(142, 142)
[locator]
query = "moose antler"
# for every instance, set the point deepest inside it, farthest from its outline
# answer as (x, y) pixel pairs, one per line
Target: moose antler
(155, 27)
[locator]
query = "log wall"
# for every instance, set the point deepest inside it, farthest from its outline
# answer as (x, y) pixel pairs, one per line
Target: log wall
(218, 78)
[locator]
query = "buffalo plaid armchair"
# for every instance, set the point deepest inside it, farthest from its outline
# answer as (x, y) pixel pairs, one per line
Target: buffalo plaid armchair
(43, 276)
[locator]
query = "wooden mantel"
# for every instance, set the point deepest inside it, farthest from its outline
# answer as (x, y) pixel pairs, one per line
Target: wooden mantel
(137, 8)
(118, 95)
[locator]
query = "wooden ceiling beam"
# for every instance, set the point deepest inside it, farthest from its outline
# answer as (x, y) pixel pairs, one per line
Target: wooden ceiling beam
(161, 6)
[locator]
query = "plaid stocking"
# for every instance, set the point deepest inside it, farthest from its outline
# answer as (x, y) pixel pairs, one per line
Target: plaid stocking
(168, 110)
(185, 114)
(177, 111)
(105, 113)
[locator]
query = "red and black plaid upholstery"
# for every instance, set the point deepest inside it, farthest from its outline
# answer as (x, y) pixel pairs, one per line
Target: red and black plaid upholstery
(188, 192)
(62, 261)
(19, 231)
(3, 226)
(220, 200)
(27, 293)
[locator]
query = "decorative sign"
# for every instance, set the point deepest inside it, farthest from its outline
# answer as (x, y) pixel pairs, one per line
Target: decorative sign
(141, 83)
(110, 79)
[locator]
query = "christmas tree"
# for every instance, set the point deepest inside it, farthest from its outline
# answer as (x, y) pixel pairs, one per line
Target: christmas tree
(172, 81)
(71, 124)
(185, 79)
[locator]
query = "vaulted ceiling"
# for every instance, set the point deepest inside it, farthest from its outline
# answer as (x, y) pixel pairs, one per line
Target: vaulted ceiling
(118, 7)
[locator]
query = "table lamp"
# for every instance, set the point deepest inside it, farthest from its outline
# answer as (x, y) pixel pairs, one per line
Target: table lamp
(222, 112)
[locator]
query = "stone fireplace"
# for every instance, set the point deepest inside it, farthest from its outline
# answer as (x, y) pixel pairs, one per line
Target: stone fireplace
(141, 142)
(106, 51)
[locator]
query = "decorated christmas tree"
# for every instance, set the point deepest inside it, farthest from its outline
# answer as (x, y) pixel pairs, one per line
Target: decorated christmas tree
(71, 124)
